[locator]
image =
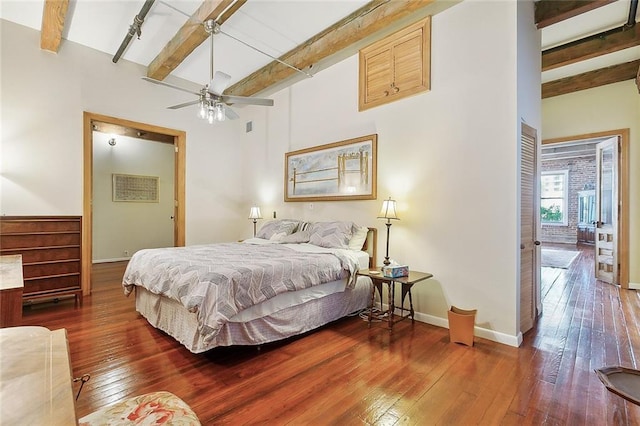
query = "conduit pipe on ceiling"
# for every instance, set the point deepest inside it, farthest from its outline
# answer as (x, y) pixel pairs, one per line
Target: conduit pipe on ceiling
(135, 28)
(633, 9)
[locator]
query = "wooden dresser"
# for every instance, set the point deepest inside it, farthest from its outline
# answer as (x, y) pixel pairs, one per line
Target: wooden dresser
(51, 253)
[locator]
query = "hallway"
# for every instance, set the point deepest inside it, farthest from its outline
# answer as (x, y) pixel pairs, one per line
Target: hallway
(585, 324)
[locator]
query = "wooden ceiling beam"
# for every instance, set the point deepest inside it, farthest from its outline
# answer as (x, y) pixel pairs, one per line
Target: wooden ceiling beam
(190, 36)
(548, 12)
(588, 80)
(230, 11)
(54, 14)
(591, 47)
(370, 18)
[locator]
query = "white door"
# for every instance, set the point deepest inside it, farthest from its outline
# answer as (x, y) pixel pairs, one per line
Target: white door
(529, 271)
(607, 211)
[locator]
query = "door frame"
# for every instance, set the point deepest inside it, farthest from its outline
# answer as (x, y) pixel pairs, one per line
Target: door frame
(623, 194)
(179, 141)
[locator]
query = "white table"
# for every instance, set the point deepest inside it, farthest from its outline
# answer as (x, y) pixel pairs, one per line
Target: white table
(11, 285)
(35, 377)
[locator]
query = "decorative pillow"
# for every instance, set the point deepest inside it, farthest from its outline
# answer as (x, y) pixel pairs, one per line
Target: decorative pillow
(304, 226)
(280, 226)
(358, 238)
(331, 234)
(296, 238)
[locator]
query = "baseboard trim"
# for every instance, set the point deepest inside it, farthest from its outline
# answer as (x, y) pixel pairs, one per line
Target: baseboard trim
(485, 333)
(634, 286)
(117, 259)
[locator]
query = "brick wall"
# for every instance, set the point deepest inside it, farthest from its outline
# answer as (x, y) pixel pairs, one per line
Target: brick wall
(582, 174)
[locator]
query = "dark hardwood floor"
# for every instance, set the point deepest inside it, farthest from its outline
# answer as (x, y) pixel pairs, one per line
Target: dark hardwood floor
(346, 373)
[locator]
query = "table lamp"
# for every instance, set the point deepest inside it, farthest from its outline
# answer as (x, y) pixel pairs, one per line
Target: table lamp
(388, 212)
(255, 215)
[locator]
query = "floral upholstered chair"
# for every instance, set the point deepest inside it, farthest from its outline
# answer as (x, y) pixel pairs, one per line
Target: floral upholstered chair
(156, 408)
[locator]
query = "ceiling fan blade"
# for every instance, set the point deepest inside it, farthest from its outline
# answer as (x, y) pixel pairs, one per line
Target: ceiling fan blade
(219, 82)
(162, 83)
(231, 114)
(246, 100)
(186, 104)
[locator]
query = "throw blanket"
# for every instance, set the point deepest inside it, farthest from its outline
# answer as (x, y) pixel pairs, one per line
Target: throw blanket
(217, 281)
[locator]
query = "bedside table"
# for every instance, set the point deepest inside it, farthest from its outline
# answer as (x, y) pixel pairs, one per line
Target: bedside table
(406, 282)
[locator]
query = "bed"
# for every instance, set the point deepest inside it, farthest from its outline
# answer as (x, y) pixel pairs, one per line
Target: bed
(291, 278)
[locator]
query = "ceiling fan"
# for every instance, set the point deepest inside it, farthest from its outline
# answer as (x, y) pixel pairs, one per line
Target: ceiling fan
(214, 105)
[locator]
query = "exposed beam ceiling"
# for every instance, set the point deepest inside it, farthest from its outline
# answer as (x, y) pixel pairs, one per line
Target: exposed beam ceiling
(375, 19)
(590, 47)
(53, 18)
(587, 80)
(372, 17)
(190, 36)
(549, 12)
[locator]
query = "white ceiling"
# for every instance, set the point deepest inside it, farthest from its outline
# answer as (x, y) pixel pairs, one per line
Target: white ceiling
(274, 26)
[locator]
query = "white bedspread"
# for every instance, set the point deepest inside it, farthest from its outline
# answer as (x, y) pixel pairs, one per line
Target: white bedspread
(217, 281)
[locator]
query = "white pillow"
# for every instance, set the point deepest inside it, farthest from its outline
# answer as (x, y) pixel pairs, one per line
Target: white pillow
(358, 238)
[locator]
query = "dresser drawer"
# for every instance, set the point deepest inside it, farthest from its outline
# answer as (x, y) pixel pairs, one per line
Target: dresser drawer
(61, 283)
(35, 270)
(18, 226)
(45, 254)
(41, 239)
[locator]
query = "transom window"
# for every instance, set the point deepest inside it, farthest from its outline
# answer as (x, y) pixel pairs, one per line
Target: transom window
(553, 197)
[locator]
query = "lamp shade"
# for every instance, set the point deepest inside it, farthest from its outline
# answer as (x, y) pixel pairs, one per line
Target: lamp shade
(388, 210)
(255, 213)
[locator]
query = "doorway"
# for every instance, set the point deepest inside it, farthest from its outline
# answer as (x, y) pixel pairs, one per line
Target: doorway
(610, 243)
(177, 137)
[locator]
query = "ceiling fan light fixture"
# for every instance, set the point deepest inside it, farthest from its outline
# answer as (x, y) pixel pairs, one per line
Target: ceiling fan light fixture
(202, 112)
(211, 99)
(219, 112)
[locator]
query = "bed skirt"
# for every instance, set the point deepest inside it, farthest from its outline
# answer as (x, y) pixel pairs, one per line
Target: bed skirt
(172, 318)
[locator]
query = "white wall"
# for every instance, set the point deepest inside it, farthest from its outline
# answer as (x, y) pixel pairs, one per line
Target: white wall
(122, 228)
(610, 107)
(43, 99)
(449, 157)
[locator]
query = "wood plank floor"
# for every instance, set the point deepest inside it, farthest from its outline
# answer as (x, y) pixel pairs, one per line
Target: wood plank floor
(348, 374)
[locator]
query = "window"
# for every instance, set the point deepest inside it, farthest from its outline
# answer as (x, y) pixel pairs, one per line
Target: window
(586, 207)
(553, 197)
